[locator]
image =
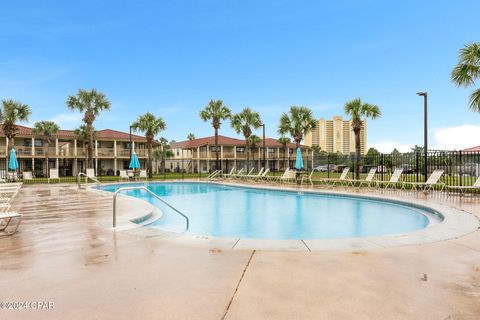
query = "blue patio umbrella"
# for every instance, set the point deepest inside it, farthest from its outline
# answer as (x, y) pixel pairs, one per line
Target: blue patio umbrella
(13, 162)
(299, 160)
(134, 163)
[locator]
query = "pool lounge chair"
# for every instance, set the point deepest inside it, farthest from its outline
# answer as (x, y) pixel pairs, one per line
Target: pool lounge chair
(143, 175)
(308, 178)
(462, 189)
(394, 179)
(287, 176)
(6, 218)
(253, 176)
(242, 175)
(368, 179)
(429, 184)
(342, 180)
(53, 175)
(123, 175)
(262, 176)
(236, 174)
(27, 176)
(227, 175)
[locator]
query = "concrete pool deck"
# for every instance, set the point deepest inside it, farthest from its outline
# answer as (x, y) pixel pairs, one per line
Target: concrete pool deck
(65, 254)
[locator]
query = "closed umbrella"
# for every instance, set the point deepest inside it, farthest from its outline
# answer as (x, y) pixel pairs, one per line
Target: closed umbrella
(13, 162)
(134, 163)
(299, 160)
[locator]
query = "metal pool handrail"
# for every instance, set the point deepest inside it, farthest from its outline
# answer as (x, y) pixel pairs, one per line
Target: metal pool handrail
(187, 220)
(86, 178)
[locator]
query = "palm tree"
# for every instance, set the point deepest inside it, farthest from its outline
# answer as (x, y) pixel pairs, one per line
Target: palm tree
(191, 136)
(467, 71)
(46, 129)
(284, 141)
(253, 141)
(92, 103)
(12, 112)
(297, 122)
(357, 109)
(149, 124)
(243, 123)
(163, 152)
(215, 111)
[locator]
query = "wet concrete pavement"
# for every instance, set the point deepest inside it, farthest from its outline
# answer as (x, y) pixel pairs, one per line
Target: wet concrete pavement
(63, 255)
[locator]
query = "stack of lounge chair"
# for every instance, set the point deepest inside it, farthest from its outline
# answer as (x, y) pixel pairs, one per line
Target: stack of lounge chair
(8, 191)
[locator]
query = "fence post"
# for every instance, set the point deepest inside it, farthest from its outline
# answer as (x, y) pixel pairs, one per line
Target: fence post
(382, 166)
(416, 165)
(461, 168)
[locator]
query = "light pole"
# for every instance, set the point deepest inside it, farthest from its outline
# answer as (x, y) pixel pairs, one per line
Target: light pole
(425, 131)
(131, 147)
(264, 150)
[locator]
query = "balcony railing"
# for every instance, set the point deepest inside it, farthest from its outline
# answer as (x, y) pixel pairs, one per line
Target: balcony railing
(105, 152)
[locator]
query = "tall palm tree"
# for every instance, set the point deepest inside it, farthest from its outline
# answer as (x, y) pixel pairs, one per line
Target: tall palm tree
(243, 123)
(297, 122)
(215, 112)
(149, 124)
(91, 103)
(46, 129)
(284, 141)
(467, 71)
(253, 142)
(191, 136)
(12, 112)
(357, 109)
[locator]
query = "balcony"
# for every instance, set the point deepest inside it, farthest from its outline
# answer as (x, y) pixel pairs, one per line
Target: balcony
(106, 152)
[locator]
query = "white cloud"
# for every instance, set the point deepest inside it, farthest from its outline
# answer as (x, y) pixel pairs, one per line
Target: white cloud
(68, 120)
(387, 146)
(456, 138)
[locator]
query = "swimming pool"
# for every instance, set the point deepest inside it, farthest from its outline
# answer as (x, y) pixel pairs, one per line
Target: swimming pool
(244, 212)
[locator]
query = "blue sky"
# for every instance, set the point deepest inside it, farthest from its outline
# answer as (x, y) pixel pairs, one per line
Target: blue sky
(172, 57)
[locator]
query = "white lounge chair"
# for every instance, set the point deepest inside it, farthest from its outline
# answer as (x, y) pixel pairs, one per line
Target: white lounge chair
(288, 175)
(53, 175)
(235, 175)
(368, 179)
(124, 175)
(429, 184)
(12, 176)
(7, 217)
(143, 175)
(394, 179)
(27, 176)
(228, 175)
(90, 173)
(462, 189)
(253, 176)
(261, 176)
(341, 180)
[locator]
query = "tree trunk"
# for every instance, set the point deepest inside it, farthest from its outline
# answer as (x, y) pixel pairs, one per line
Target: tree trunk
(90, 146)
(284, 158)
(149, 158)
(248, 153)
(357, 153)
(217, 164)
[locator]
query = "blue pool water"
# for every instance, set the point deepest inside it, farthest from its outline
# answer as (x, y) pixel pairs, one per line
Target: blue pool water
(226, 211)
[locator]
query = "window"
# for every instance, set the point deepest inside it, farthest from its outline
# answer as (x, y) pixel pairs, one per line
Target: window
(240, 149)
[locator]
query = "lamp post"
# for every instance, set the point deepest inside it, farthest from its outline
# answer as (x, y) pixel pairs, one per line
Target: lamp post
(131, 147)
(264, 150)
(425, 132)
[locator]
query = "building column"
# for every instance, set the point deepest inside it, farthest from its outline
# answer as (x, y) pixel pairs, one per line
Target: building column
(115, 166)
(198, 160)
(56, 148)
(33, 166)
(75, 147)
(208, 159)
(115, 148)
(33, 146)
(235, 157)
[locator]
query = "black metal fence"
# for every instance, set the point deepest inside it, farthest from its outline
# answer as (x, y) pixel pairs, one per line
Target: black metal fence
(460, 168)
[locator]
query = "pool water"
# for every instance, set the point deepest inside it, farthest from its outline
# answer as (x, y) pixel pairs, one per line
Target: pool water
(231, 211)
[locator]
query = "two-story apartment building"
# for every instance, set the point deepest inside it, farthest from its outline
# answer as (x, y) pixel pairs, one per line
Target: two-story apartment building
(199, 155)
(67, 152)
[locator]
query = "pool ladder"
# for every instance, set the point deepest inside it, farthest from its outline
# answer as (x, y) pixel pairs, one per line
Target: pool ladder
(187, 220)
(80, 174)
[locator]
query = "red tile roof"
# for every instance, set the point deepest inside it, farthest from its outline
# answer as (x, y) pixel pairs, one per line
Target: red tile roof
(225, 141)
(476, 149)
(107, 134)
